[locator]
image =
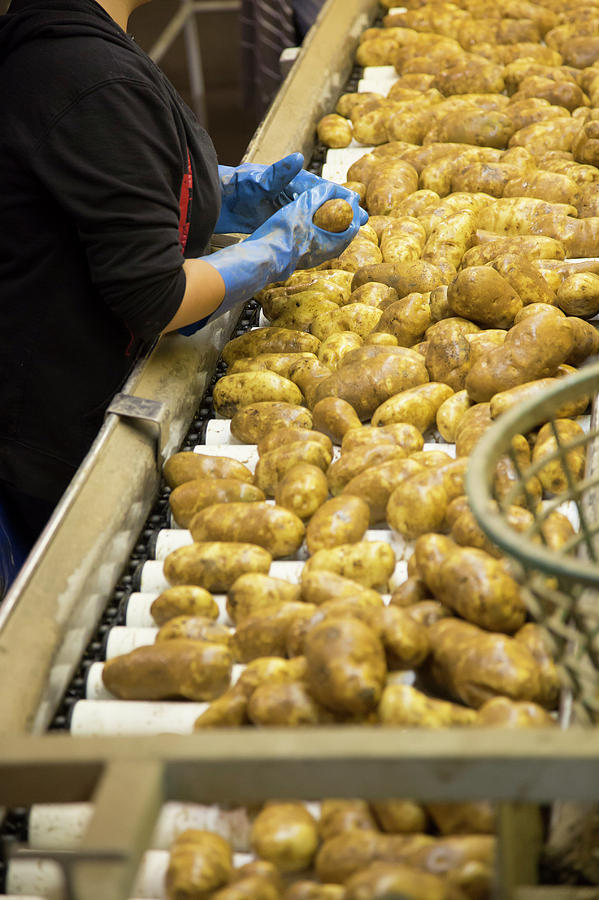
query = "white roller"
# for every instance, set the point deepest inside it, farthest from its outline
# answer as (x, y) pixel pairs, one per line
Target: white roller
(122, 639)
(399, 575)
(244, 453)
(61, 826)
(435, 445)
(138, 608)
(35, 877)
(169, 539)
(112, 717)
(94, 686)
(152, 579)
(218, 431)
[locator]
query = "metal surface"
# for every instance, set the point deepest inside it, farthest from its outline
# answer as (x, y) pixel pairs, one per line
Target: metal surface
(142, 410)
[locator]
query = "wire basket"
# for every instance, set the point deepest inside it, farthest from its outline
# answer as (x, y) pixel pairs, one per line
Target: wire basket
(560, 580)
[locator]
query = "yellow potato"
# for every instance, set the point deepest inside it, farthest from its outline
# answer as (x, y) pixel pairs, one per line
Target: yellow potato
(274, 465)
(334, 417)
(562, 467)
(280, 363)
(276, 529)
(286, 835)
(200, 862)
(195, 628)
(418, 504)
(252, 422)
(481, 294)
(234, 391)
(376, 484)
(449, 414)
(341, 520)
(190, 497)
(335, 346)
(291, 434)
(188, 466)
(214, 565)
(302, 489)
(334, 131)
(370, 563)
(350, 464)
(183, 600)
(401, 433)
(321, 586)
(415, 406)
(356, 317)
(268, 340)
(301, 310)
(403, 705)
(406, 319)
(255, 590)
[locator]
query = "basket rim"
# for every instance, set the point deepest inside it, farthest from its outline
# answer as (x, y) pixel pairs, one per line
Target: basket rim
(481, 466)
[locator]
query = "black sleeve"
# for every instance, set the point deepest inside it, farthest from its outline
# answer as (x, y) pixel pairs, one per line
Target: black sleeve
(113, 161)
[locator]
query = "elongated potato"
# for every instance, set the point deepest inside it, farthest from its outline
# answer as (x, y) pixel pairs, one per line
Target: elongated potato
(264, 632)
(399, 816)
(274, 465)
(538, 641)
(334, 417)
(183, 600)
(195, 628)
(285, 834)
(268, 340)
(357, 317)
(350, 464)
(526, 281)
(562, 467)
(280, 363)
(276, 529)
(388, 879)
(307, 375)
(252, 887)
(233, 391)
(404, 435)
(346, 665)
(501, 712)
(190, 497)
(351, 851)
(214, 565)
(196, 670)
(370, 563)
(321, 586)
(340, 520)
(481, 294)
(188, 466)
(404, 705)
(417, 276)
(336, 346)
(255, 590)
(301, 310)
(407, 319)
(302, 489)
(415, 406)
(366, 383)
(419, 504)
(287, 704)
(290, 434)
(252, 422)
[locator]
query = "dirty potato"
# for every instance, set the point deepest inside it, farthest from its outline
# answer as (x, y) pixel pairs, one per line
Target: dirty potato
(276, 529)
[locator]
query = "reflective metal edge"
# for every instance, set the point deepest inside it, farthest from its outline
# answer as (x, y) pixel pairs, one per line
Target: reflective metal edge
(53, 606)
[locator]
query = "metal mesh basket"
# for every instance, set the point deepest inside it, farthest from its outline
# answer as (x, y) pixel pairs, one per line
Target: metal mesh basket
(561, 580)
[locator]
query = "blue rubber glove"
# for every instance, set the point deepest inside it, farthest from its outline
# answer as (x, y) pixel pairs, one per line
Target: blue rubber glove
(288, 240)
(251, 193)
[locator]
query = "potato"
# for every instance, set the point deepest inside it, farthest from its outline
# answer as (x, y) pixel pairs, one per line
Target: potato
(274, 465)
(370, 563)
(192, 496)
(341, 520)
(406, 436)
(336, 346)
(301, 310)
(276, 529)
(386, 879)
(466, 531)
(290, 434)
(334, 215)
(501, 712)
(366, 383)
(307, 375)
(264, 632)
(405, 706)
(195, 670)
(287, 704)
(258, 591)
(451, 237)
(352, 463)
(320, 587)
(280, 363)
(562, 467)
(188, 466)
(390, 183)
(505, 400)
(357, 317)
(255, 420)
(268, 340)
(402, 239)
(586, 341)
(286, 835)
(537, 640)
(214, 565)
(234, 391)
(481, 294)
(412, 590)
(535, 246)
(463, 818)
(475, 665)
(373, 294)
(430, 551)
(447, 357)
(376, 484)
(417, 276)
(334, 131)
(399, 816)
(528, 284)
(405, 641)
(337, 816)
(476, 586)
(195, 628)
(183, 600)
(415, 406)
(200, 862)
(346, 665)
(578, 295)
(270, 669)
(449, 414)
(532, 349)
(486, 128)
(554, 134)
(362, 251)
(262, 869)
(351, 851)
(227, 711)
(418, 504)
(302, 489)
(252, 887)
(334, 417)
(312, 890)
(407, 319)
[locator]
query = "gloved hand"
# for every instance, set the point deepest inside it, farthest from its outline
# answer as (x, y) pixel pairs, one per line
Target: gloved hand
(251, 193)
(288, 240)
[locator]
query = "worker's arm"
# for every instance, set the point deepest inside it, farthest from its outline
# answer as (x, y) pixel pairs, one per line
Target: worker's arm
(288, 240)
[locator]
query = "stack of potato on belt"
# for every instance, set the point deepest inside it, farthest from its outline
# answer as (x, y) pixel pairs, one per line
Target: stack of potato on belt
(469, 289)
(344, 850)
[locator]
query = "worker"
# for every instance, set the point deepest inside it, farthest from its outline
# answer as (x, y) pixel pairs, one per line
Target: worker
(109, 194)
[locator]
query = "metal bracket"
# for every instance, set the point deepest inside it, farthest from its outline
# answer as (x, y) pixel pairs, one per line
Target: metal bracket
(130, 407)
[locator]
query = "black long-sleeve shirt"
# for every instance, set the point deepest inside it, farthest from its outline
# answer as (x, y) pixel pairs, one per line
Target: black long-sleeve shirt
(106, 182)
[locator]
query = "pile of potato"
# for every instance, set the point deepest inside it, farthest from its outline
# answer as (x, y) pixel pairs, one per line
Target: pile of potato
(343, 850)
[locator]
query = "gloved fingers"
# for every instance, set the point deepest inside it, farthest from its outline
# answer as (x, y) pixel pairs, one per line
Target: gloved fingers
(276, 177)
